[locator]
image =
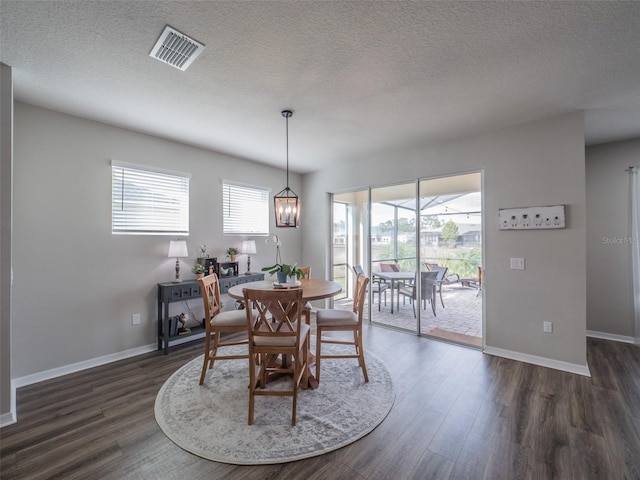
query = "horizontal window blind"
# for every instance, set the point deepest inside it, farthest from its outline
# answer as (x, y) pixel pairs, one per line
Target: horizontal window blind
(149, 202)
(245, 209)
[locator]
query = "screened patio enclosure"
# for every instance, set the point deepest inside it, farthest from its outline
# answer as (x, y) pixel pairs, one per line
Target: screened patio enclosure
(428, 222)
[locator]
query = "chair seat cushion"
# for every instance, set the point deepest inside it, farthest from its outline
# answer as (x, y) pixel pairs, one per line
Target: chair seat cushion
(406, 291)
(332, 317)
(379, 287)
(231, 318)
(307, 306)
(289, 341)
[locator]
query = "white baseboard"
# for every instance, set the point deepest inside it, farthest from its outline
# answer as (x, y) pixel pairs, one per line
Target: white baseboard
(76, 367)
(8, 418)
(11, 417)
(611, 336)
(541, 361)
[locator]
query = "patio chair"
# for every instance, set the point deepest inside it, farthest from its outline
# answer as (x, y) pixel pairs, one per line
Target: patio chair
(389, 267)
(377, 287)
(440, 279)
(427, 291)
(473, 282)
(447, 279)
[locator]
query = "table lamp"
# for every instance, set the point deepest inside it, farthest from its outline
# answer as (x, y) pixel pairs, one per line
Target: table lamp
(248, 247)
(177, 249)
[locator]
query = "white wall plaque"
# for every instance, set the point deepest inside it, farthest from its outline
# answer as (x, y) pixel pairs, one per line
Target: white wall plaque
(531, 218)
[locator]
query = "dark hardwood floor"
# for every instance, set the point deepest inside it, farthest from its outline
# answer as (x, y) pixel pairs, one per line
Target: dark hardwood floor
(457, 414)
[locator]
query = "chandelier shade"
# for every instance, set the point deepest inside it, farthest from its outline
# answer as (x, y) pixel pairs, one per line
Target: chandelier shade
(286, 204)
(287, 207)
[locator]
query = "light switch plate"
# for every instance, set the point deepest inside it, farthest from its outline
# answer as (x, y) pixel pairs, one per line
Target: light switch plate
(516, 263)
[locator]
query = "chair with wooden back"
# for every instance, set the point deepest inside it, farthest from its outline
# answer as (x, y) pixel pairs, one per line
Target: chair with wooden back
(343, 320)
(306, 309)
(218, 322)
(275, 330)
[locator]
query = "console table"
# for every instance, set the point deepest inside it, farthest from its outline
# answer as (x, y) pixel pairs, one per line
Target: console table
(170, 292)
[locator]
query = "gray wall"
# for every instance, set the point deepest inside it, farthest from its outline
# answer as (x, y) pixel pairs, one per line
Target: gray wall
(6, 127)
(609, 281)
(540, 163)
(75, 284)
(90, 282)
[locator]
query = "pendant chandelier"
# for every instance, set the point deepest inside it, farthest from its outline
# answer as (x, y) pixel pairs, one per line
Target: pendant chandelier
(286, 203)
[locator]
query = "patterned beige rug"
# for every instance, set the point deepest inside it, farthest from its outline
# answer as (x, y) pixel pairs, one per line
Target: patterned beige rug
(211, 420)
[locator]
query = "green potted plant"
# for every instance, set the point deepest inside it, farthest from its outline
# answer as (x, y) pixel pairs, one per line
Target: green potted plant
(284, 272)
(198, 269)
(232, 252)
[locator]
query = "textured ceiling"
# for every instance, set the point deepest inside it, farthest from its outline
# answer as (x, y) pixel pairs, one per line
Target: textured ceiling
(361, 76)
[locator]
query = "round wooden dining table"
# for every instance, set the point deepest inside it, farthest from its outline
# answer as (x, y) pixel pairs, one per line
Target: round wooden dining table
(312, 289)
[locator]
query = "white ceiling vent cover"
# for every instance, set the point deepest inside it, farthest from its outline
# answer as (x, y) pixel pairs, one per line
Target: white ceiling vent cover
(176, 49)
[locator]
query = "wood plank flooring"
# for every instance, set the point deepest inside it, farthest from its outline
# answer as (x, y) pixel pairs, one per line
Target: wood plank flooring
(458, 414)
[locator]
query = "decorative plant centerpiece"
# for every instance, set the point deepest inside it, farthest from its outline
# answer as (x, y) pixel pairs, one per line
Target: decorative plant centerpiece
(285, 273)
(232, 252)
(198, 269)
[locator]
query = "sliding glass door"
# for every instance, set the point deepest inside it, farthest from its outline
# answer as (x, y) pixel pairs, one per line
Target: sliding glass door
(451, 243)
(393, 247)
(421, 245)
(350, 217)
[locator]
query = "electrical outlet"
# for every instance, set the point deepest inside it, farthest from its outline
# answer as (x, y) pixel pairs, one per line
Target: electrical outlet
(135, 319)
(516, 263)
(547, 327)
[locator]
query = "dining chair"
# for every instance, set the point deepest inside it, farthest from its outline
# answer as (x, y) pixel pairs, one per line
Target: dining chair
(427, 291)
(343, 320)
(306, 309)
(377, 287)
(218, 322)
(275, 330)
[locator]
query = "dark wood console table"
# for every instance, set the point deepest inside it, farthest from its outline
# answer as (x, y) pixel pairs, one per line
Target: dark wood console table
(170, 292)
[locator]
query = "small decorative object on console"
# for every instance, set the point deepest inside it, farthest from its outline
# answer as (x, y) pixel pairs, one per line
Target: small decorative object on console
(182, 330)
(232, 252)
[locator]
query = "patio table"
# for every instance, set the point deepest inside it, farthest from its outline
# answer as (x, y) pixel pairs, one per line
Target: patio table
(392, 277)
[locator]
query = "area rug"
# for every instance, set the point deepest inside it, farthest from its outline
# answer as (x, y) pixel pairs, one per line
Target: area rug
(210, 420)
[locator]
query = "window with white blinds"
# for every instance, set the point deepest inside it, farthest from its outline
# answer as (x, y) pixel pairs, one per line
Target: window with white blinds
(148, 202)
(245, 209)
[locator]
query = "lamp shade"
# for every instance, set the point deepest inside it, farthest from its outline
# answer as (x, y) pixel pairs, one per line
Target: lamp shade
(249, 246)
(178, 248)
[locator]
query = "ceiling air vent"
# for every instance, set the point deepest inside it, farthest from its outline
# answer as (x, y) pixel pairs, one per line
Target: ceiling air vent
(176, 49)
